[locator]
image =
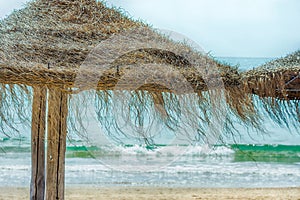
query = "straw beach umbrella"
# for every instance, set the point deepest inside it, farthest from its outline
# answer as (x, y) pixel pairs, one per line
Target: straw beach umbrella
(279, 78)
(277, 83)
(43, 47)
(52, 50)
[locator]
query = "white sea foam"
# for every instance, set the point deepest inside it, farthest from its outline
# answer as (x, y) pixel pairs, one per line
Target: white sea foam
(167, 151)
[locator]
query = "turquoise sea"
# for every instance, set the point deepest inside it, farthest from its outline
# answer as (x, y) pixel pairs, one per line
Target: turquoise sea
(251, 159)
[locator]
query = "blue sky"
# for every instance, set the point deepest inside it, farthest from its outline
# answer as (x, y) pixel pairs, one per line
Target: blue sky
(240, 28)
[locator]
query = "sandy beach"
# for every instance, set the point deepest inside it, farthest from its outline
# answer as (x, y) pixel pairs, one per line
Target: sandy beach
(134, 193)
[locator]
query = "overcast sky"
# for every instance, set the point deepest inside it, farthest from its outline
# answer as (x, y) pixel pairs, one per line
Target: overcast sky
(240, 28)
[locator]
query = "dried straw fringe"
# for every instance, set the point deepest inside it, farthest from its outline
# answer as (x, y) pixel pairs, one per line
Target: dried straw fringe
(15, 105)
(179, 113)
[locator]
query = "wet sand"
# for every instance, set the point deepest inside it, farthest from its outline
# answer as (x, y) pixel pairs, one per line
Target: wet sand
(134, 193)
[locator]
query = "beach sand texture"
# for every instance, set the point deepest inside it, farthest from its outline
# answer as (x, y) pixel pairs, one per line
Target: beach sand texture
(133, 193)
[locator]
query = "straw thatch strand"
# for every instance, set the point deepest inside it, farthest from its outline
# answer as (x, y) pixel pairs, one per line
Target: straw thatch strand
(15, 104)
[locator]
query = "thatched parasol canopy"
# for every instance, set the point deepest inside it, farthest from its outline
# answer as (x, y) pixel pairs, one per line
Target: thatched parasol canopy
(277, 84)
(48, 42)
(71, 44)
(279, 78)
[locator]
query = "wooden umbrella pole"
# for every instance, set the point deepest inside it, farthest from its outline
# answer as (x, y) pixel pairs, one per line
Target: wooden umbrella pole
(56, 146)
(37, 187)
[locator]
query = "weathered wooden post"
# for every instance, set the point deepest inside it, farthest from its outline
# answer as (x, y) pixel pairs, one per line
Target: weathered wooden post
(56, 145)
(37, 188)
